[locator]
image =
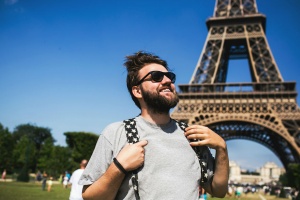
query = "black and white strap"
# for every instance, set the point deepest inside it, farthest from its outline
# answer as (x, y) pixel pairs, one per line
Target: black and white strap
(133, 137)
(202, 154)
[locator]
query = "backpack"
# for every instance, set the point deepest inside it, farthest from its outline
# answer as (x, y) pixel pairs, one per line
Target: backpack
(202, 153)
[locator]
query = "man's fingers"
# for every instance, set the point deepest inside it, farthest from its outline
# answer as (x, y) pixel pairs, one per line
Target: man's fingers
(142, 143)
(196, 137)
(194, 127)
(197, 143)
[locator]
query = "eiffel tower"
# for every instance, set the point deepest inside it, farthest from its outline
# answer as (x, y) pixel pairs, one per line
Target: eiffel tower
(265, 110)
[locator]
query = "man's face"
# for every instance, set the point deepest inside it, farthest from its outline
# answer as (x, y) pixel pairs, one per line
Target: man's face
(160, 96)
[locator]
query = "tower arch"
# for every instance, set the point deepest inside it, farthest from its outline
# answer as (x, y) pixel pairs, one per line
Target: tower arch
(250, 130)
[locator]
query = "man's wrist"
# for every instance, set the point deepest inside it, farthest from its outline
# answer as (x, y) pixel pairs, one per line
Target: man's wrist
(119, 166)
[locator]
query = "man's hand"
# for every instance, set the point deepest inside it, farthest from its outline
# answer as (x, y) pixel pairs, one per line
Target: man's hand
(204, 136)
(132, 156)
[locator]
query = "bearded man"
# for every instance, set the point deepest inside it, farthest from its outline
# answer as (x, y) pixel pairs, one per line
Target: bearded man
(166, 165)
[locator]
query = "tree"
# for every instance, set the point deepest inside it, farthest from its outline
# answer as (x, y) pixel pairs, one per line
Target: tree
(24, 174)
(23, 155)
(54, 159)
(6, 147)
(82, 144)
(62, 160)
(45, 156)
(37, 135)
(292, 176)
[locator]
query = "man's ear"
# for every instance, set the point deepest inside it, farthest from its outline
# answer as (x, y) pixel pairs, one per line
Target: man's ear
(136, 91)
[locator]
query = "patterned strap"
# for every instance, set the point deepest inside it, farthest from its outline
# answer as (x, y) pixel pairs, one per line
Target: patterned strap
(202, 154)
(133, 137)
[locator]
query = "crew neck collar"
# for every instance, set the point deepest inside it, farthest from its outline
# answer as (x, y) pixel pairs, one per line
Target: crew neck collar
(163, 126)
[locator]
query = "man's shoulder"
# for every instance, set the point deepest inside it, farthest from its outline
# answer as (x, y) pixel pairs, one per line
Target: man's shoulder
(113, 127)
(116, 126)
(113, 131)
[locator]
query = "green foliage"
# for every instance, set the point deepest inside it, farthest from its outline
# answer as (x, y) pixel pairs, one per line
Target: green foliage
(37, 136)
(24, 174)
(45, 156)
(55, 159)
(6, 147)
(62, 160)
(292, 176)
(24, 153)
(30, 149)
(82, 144)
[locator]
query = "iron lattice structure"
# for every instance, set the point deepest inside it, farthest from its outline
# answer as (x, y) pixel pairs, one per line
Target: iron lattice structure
(264, 110)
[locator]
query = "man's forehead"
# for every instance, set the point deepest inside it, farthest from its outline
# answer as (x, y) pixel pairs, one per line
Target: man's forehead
(152, 67)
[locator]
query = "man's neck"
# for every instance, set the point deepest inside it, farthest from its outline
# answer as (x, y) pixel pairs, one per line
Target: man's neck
(156, 118)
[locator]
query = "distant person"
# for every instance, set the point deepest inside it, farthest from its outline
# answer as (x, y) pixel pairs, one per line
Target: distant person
(44, 181)
(50, 182)
(202, 193)
(76, 189)
(68, 175)
(60, 179)
(230, 191)
(267, 190)
(238, 192)
(65, 181)
(39, 176)
(4, 175)
(295, 195)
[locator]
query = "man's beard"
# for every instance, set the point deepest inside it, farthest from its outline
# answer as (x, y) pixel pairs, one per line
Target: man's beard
(157, 103)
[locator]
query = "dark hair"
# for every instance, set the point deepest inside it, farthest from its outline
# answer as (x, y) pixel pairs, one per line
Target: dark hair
(134, 63)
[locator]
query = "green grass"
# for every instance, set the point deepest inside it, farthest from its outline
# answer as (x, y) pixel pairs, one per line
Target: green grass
(250, 196)
(31, 191)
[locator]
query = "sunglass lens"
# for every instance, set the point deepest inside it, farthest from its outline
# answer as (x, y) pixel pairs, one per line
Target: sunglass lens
(171, 76)
(157, 76)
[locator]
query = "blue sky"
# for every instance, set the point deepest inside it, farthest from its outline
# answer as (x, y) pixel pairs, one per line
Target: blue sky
(61, 62)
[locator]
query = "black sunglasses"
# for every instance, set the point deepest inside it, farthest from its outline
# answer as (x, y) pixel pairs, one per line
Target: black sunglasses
(158, 76)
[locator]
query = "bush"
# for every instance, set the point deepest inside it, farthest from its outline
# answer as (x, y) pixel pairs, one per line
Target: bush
(24, 175)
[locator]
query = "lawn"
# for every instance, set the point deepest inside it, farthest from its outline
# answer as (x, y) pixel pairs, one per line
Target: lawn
(250, 196)
(31, 191)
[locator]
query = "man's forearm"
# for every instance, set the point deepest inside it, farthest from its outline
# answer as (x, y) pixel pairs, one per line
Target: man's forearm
(219, 184)
(106, 187)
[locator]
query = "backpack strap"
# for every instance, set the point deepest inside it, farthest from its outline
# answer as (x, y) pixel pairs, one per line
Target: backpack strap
(202, 154)
(131, 131)
(133, 137)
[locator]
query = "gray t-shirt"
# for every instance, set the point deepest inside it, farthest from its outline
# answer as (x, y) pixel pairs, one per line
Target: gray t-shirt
(171, 169)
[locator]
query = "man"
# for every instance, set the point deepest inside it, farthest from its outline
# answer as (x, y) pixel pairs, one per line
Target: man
(167, 166)
(76, 189)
